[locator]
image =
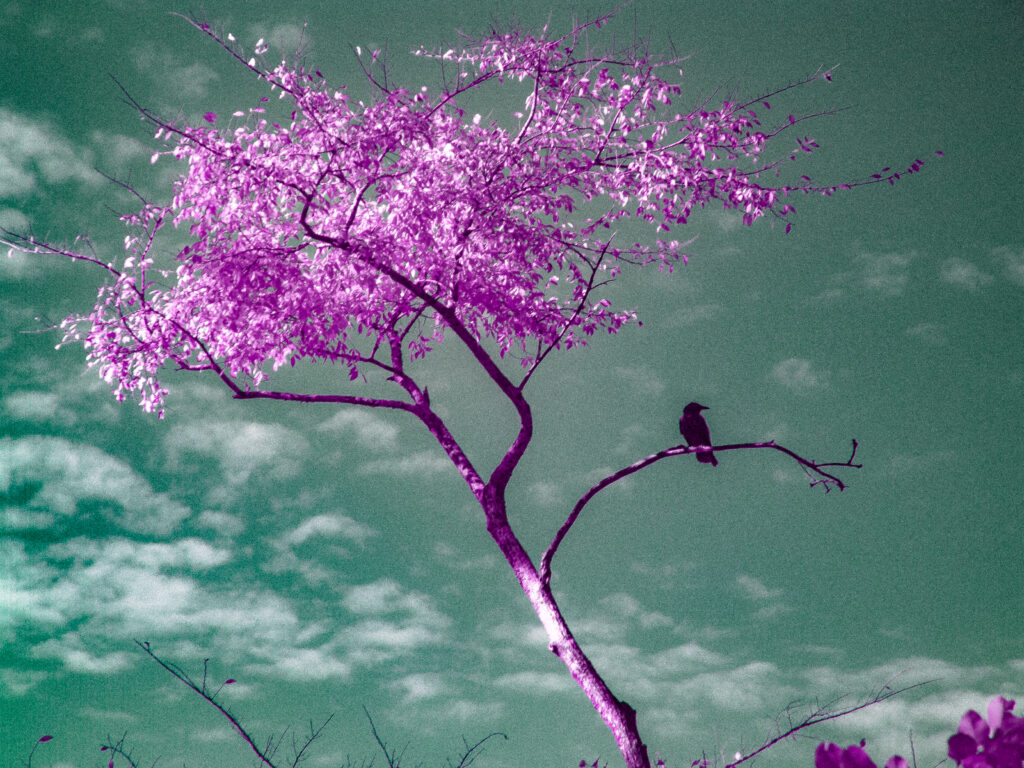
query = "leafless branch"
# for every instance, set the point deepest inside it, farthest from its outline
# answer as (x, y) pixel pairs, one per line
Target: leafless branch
(813, 468)
(823, 713)
(471, 753)
(118, 748)
(394, 757)
(181, 675)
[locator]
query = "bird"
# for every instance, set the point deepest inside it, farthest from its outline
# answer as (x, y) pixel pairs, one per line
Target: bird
(695, 430)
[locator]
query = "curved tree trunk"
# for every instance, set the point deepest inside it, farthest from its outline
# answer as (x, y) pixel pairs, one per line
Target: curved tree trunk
(619, 716)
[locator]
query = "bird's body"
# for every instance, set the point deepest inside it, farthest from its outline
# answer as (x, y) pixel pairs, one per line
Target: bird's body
(695, 431)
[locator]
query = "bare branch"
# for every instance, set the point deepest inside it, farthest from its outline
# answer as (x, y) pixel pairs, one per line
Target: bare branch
(811, 467)
(824, 713)
(471, 753)
(181, 675)
(393, 757)
(118, 748)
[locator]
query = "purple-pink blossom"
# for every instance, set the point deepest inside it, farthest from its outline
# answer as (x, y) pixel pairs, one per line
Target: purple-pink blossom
(997, 743)
(352, 231)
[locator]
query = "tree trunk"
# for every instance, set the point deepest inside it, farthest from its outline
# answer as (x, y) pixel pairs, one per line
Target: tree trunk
(619, 716)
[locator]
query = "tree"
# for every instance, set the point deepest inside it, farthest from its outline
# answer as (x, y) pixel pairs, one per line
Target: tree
(364, 234)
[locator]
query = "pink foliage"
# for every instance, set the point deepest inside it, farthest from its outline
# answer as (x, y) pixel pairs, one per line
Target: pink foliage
(997, 743)
(346, 226)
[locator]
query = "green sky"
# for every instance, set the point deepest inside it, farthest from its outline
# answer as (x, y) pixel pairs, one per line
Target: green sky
(330, 559)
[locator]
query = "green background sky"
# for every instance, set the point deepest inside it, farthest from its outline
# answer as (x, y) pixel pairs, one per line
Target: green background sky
(330, 559)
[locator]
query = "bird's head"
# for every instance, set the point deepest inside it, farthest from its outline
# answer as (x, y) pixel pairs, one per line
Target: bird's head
(695, 408)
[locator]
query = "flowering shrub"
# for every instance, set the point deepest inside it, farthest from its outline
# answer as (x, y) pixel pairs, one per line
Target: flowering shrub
(998, 743)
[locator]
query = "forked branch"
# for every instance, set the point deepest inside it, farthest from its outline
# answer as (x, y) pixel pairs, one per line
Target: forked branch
(814, 470)
(200, 688)
(820, 714)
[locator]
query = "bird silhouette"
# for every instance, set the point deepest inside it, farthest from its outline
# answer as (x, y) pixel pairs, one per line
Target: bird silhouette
(695, 430)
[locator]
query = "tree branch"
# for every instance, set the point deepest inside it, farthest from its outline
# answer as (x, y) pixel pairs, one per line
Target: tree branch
(181, 675)
(810, 467)
(821, 714)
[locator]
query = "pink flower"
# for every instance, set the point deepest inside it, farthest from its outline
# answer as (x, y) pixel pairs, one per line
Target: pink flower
(998, 743)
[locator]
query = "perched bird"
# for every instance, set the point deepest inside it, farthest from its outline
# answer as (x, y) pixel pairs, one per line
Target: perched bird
(695, 430)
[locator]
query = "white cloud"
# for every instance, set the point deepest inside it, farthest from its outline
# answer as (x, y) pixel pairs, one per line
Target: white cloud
(13, 220)
(375, 638)
(18, 682)
(749, 687)
(419, 686)
(32, 154)
(799, 375)
(964, 274)
(929, 333)
(71, 650)
(68, 473)
(686, 659)
(329, 525)
(454, 557)
(754, 589)
(546, 493)
(224, 523)
(165, 66)
(388, 637)
(1013, 263)
(385, 596)
(369, 430)
(623, 605)
(884, 273)
(118, 151)
(34, 405)
(121, 588)
(429, 462)
(640, 380)
(475, 711)
(288, 38)
(309, 664)
(536, 682)
(241, 448)
(693, 313)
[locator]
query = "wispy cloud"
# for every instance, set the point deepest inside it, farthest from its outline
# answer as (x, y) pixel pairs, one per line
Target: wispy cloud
(884, 273)
(419, 686)
(34, 405)
(641, 379)
(61, 474)
(70, 649)
(177, 79)
(536, 682)
(421, 464)
(241, 448)
(1012, 262)
(33, 155)
(963, 274)
(692, 314)
(799, 375)
(330, 525)
(754, 589)
(367, 429)
(930, 333)
(394, 621)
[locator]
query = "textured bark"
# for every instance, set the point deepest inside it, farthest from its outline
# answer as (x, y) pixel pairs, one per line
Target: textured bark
(619, 716)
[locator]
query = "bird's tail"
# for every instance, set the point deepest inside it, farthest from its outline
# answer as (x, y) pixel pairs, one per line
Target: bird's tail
(707, 457)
